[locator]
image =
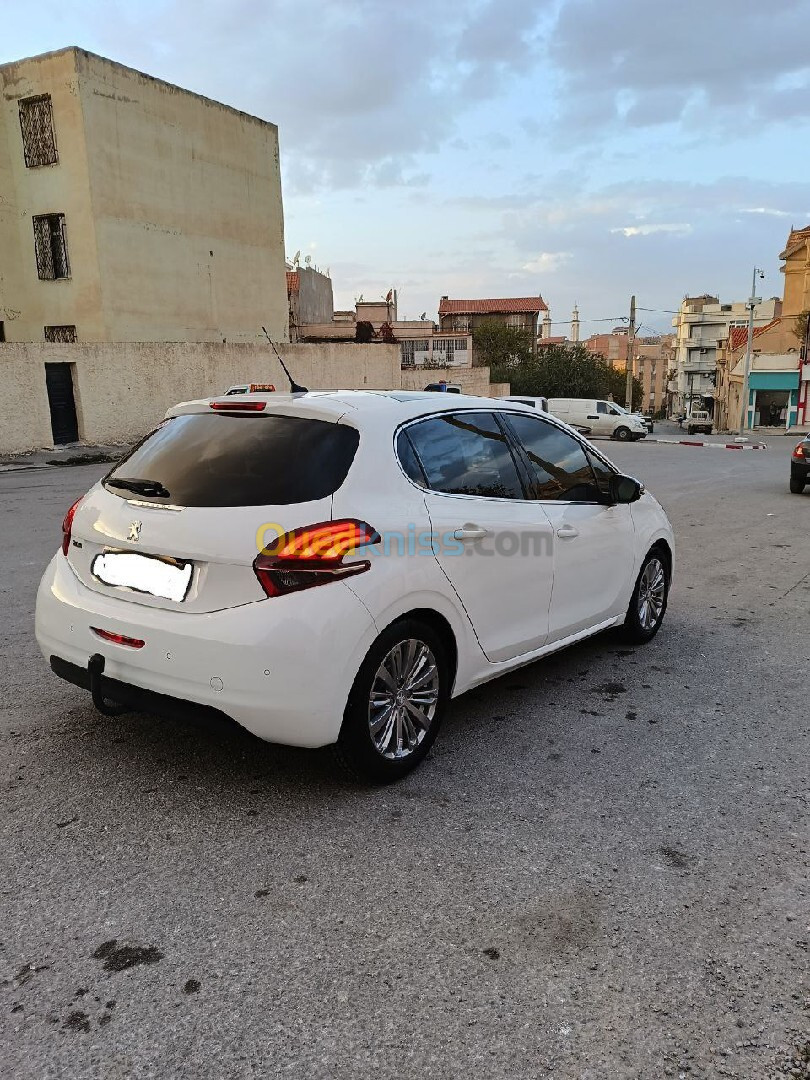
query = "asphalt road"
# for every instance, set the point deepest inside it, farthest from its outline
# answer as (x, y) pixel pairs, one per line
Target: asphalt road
(600, 872)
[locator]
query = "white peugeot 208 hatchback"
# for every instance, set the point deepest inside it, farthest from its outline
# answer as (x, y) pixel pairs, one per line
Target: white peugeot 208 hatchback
(332, 567)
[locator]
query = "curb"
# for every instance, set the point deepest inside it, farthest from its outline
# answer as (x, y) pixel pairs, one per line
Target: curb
(713, 445)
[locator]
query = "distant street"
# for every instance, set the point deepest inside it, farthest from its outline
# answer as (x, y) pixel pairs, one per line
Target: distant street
(600, 873)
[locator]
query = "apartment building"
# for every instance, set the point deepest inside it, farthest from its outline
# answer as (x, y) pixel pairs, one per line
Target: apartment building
(132, 210)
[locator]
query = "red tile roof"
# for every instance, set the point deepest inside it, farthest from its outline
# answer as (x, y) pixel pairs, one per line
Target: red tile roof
(513, 305)
(292, 281)
(739, 334)
(796, 239)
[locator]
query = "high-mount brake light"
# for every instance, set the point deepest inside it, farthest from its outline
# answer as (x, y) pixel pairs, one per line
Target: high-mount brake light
(67, 525)
(118, 639)
(237, 406)
(313, 555)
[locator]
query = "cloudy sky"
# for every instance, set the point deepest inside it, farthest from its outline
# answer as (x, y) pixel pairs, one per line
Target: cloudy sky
(581, 149)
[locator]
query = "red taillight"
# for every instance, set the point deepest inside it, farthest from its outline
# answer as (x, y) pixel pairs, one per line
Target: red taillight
(118, 639)
(237, 406)
(798, 451)
(313, 556)
(67, 525)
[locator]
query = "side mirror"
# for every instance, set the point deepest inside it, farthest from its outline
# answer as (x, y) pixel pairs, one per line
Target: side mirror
(625, 489)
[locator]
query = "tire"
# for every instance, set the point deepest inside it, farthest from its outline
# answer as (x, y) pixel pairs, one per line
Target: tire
(690, 431)
(797, 485)
(642, 622)
(622, 433)
(386, 747)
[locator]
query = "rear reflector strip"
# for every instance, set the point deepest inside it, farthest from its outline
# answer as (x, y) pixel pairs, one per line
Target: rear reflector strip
(237, 406)
(118, 639)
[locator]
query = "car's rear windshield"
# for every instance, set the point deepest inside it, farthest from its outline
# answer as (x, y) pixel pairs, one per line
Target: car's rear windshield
(222, 460)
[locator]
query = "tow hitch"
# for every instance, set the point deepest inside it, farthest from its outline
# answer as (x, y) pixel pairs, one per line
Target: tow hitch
(95, 668)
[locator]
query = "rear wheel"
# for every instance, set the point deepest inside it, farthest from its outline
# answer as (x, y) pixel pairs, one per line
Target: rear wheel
(396, 704)
(797, 485)
(622, 433)
(648, 603)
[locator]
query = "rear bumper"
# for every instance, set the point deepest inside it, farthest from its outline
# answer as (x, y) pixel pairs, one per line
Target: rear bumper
(800, 470)
(282, 668)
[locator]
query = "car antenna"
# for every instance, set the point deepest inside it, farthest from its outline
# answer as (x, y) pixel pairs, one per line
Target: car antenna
(295, 388)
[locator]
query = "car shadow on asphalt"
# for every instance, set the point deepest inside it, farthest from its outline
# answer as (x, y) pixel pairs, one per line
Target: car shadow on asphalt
(145, 752)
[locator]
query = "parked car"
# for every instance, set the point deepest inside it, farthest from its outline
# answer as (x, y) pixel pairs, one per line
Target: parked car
(443, 388)
(699, 421)
(250, 388)
(648, 420)
(602, 417)
(332, 568)
(800, 466)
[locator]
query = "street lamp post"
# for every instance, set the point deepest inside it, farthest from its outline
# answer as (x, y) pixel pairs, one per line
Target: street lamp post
(753, 300)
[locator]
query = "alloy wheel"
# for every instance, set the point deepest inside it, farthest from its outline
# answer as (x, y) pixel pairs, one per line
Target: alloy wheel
(651, 593)
(403, 699)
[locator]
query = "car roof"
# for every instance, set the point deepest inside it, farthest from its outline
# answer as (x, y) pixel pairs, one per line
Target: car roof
(396, 405)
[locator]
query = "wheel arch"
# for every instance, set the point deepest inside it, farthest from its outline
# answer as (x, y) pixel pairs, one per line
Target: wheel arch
(441, 625)
(662, 545)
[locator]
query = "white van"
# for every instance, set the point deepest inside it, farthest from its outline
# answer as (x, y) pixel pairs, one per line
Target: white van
(602, 417)
(539, 403)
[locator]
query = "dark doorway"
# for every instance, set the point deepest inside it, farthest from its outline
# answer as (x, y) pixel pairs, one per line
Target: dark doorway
(64, 424)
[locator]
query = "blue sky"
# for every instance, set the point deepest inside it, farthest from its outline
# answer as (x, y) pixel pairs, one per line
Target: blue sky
(582, 149)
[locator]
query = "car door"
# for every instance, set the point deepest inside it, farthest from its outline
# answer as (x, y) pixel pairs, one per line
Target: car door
(592, 541)
(493, 544)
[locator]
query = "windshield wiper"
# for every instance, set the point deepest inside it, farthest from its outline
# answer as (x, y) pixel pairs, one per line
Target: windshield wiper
(139, 487)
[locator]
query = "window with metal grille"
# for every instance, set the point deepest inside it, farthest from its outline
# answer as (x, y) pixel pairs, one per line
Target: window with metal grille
(36, 124)
(60, 333)
(50, 242)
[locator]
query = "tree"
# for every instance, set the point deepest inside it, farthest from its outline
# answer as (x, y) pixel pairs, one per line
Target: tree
(800, 326)
(497, 344)
(565, 371)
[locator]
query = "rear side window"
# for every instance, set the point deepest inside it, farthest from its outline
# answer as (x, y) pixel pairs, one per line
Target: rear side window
(466, 454)
(559, 466)
(221, 460)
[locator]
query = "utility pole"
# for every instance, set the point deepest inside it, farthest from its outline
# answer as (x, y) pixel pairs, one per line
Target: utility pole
(753, 300)
(631, 339)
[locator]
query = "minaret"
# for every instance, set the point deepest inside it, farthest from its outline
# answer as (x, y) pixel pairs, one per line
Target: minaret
(546, 332)
(575, 324)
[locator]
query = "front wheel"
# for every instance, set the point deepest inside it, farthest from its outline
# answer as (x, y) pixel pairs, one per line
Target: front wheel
(797, 485)
(648, 603)
(622, 433)
(396, 704)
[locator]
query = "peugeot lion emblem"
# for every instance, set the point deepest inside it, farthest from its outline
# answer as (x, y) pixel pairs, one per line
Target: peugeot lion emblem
(134, 531)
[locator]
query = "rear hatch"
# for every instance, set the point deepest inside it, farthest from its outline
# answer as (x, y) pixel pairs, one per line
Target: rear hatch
(179, 522)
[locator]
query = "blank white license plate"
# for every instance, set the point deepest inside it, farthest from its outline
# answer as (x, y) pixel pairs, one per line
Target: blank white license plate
(157, 577)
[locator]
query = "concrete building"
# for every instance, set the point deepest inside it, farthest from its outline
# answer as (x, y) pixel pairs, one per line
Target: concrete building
(132, 210)
(310, 298)
(779, 382)
(464, 316)
(701, 325)
(422, 344)
(612, 346)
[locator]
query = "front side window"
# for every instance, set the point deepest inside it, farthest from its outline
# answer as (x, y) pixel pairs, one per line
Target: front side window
(466, 454)
(559, 465)
(601, 407)
(36, 125)
(50, 245)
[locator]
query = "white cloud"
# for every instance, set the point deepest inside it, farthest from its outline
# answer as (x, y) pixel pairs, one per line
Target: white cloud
(546, 262)
(765, 210)
(649, 230)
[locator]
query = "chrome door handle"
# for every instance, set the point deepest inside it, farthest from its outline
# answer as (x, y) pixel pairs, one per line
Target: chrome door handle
(567, 532)
(470, 532)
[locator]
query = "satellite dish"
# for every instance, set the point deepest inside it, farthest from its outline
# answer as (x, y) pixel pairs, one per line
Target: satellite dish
(423, 316)
(307, 259)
